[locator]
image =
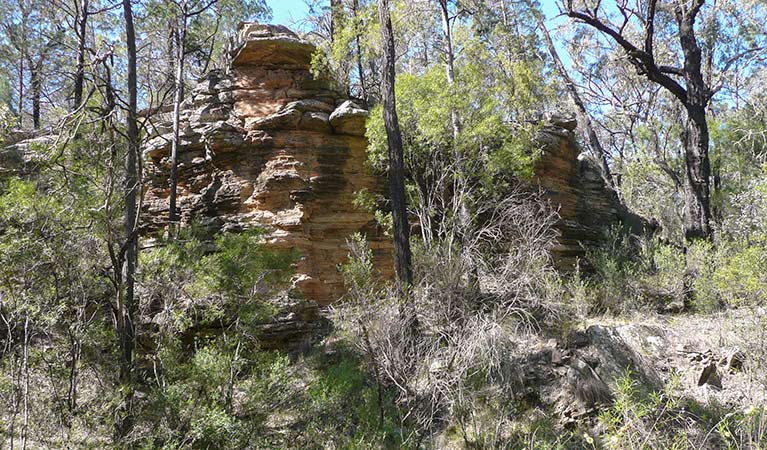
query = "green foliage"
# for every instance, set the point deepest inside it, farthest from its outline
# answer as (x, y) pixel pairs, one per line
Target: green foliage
(647, 273)
(196, 280)
(425, 107)
(207, 300)
(740, 277)
(638, 420)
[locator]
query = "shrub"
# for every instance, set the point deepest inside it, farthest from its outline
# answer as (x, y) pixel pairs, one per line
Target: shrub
(638, 421)
(741, 277)
(209, 382)
(445, 346)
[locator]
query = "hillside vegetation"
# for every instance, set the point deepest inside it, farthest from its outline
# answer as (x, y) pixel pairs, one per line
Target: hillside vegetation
(486, 314)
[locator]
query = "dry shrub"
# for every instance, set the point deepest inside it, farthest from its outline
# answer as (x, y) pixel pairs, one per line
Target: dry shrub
(446, 345)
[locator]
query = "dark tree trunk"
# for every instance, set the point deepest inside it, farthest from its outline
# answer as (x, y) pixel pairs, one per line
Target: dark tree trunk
(336, 16)
(360, 70)
(82, 26)
(402, 256)
(697, 213)
(36, 86)
(126, 306)
(695, 138)
(694, 95)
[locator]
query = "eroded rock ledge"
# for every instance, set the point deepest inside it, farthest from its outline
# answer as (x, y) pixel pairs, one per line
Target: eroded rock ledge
(573, 183)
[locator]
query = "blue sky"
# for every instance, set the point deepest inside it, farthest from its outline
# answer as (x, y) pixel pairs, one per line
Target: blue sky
(292, 12)
(288, 12)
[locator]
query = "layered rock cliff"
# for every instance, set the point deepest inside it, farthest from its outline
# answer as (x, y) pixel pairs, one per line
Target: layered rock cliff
(266, 144)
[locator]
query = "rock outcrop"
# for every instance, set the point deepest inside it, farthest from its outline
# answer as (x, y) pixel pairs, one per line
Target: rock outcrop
(21, 151)
(266, 144)
(573, 183)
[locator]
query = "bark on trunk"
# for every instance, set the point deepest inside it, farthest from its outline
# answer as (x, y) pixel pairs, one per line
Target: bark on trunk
(126, 306)
(179, 97)
(82, 25)
(449, 62)
(697, 215)
(695, 138)
(461, 190)
(21, 93)
(336, 15)
(360, 70)
(402, 256)
(36, 85)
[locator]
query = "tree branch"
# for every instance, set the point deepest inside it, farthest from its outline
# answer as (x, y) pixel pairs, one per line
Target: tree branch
(642, 60)
(671, 70)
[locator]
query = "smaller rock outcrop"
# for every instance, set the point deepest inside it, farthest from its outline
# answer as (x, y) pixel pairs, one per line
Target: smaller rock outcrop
(21, 150)
(572, 181)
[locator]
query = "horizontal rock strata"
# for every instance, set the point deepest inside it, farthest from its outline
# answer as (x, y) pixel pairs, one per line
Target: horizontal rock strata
(572, 181)
(266, 144)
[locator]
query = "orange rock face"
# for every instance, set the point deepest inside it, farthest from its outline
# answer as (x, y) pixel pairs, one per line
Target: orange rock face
(265, 144)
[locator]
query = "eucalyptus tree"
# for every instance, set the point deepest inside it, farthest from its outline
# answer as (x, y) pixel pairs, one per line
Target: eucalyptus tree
(402, 254)
(32, 34)
(688, 50)
(126, 303)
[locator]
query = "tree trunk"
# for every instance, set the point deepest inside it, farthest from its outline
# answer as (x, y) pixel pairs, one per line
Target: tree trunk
(336, 14)
(126, 306)
(694, 94)
(21, 93)
(695, 137)
(360, 70)
(75, 351)
(464, 216)
(697, 214)
(36, 86)
(402, 256)
(82, 26)
(25, 423)
(449, 62)
(179, 97)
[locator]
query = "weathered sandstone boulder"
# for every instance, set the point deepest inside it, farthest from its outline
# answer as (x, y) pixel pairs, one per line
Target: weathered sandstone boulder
(266, 144)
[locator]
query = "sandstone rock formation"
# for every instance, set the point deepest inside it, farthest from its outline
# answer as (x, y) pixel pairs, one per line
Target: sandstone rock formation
(22, 150)
(266, 144)
(573, 182)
